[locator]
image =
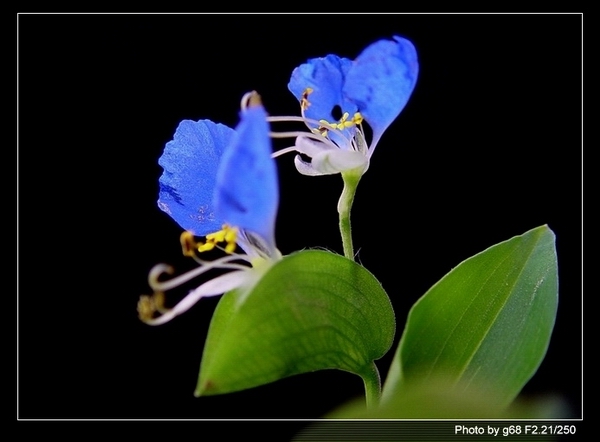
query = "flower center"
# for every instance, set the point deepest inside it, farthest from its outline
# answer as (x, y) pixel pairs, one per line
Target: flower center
(344, 123)
(227, 235)
(341, 124)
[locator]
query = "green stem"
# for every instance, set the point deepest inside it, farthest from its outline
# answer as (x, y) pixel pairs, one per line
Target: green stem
(372, 382)
(351, 179)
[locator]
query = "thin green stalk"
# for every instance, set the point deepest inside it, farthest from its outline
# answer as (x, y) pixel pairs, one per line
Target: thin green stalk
(351, 179)
(372, 381)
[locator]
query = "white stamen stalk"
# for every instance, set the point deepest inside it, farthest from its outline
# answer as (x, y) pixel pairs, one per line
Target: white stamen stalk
(216, 286)
(221, 263)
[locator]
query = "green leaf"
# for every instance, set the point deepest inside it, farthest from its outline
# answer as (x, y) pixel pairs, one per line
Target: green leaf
(312, 310)
(486, 324)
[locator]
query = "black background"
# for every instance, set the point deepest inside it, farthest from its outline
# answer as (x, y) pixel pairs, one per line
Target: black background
(488, 147)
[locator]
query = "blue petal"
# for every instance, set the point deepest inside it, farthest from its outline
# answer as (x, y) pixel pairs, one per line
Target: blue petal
(246, 193)
(190, 164)
(381, 81)
(325, 76)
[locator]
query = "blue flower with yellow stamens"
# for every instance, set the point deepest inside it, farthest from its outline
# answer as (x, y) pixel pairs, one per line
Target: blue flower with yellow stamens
(222, 184)
(337, 94)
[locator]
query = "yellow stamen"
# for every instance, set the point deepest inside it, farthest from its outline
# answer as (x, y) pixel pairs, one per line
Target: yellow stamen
(226, 235)
(357, 118)
(218, 236)
(250, 99)
(188, 244)
(327, 123)
(254, 99)
(344, 123)
(231, 238)
(304, 103)
(149, 305)
(145, 308)
(205, 247)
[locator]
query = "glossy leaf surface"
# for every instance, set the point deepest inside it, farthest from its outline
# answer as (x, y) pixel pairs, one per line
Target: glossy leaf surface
(486, 324)
(312, 310)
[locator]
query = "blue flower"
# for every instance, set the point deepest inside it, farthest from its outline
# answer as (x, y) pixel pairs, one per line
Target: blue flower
(337, 94)
(221, 184)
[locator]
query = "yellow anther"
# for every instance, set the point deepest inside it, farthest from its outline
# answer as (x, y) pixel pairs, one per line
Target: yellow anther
(321, 131)
(230, 247)
(231, 234)
(227, 234)
(188, 244)
(254, 99)
(327, 123)
(148, 305)
(159, 301)
(205, 247)
(304, 103)
(230, 238)
(218, 236)
(342, 124)
(145, 308)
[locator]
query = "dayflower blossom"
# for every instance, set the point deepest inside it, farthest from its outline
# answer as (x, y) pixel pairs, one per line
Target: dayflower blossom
(337, 94)
(221, 184)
